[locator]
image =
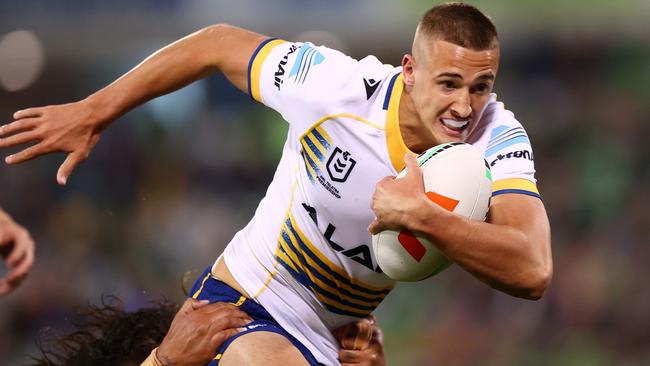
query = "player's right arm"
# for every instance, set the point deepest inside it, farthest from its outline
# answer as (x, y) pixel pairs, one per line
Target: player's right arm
(75, 128)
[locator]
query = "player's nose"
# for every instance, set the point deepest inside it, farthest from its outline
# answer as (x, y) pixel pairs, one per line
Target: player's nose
(462, 107)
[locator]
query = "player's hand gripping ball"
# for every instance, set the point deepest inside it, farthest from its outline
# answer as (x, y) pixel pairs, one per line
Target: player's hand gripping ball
(457, 178)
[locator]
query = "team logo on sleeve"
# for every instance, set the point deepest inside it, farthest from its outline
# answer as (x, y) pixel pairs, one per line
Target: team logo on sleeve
(340, 165)
(307, 58)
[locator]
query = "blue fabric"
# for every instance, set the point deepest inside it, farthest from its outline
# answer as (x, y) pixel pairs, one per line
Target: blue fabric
(215, 291)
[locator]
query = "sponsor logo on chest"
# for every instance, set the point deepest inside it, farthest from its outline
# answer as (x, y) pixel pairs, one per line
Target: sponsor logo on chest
(359, 253)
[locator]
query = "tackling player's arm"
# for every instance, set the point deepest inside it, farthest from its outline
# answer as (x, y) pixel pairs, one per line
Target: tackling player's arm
(74, 128)
(362, 343)
(511, 251)
(197, 331)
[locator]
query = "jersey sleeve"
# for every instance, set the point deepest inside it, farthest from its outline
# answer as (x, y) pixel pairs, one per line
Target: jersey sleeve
(510, 156)
(299, 80)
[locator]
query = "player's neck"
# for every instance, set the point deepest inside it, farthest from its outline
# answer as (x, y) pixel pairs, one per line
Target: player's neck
(410, 126)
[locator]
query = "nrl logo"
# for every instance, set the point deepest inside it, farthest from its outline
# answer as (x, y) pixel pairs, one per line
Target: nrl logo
(340, 165)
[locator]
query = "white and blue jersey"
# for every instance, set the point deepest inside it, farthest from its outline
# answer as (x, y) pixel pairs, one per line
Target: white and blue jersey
(306, 254)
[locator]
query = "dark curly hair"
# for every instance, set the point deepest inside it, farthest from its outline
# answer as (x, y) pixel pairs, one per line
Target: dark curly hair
(108, 335)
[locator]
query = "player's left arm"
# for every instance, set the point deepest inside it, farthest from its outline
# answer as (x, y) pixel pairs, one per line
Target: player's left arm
(511, 251)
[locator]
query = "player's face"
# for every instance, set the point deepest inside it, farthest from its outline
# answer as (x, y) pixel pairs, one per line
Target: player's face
(449, 86)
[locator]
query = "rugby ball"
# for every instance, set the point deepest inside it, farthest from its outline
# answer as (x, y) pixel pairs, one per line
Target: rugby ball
(457, 178)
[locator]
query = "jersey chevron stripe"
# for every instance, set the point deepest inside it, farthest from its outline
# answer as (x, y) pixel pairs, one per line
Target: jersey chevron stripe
(316, 156)
(289, 259)
(330, 302)
(288, 264)
(322, 137)
(312, 168)
(316, 281)
(297, 258)
(326, 280)
(315, 143)
(255, 66)
(320, 154)
(294, 270)
(335, 301)
(316, 140)
(328, 266)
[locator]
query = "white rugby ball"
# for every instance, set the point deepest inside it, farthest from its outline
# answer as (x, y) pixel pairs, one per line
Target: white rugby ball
(456, 177)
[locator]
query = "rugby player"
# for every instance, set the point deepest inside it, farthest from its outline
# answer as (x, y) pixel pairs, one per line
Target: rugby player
(303, 265)
(17, 251)
(165, 335)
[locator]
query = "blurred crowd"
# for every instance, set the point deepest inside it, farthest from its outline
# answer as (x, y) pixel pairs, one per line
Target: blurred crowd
(170, 183)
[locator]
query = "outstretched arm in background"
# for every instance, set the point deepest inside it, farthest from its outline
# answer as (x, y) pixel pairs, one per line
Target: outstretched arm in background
(17, 251)
(75, 128)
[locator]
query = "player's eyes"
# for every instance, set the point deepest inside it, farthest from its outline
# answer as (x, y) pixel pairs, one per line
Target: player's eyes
(447, 84)
(480, 88)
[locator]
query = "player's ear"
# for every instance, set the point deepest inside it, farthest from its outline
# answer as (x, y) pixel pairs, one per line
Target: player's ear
(408, 67)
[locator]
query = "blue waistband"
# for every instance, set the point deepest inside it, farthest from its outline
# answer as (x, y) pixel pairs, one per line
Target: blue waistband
(209, 288)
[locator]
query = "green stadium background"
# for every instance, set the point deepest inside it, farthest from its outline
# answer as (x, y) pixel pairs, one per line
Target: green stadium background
(171, 182)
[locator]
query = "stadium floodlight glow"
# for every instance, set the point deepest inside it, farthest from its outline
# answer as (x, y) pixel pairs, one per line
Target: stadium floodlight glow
(22, 58)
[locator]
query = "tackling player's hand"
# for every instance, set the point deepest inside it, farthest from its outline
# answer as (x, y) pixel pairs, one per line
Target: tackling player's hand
(17, 251)
(197, 331)
(69, 128)
(362, 343)
(395, 199)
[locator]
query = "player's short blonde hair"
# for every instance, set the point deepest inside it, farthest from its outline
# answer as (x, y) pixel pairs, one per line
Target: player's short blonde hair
(460, 24)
